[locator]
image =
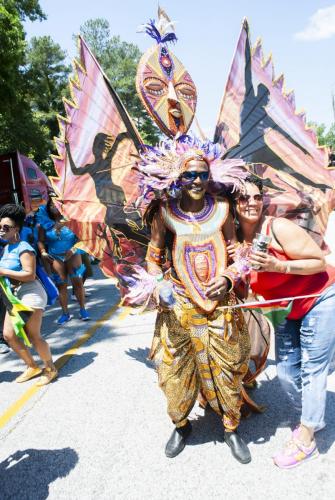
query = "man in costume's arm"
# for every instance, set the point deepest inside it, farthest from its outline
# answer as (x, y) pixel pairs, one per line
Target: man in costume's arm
(156, 247)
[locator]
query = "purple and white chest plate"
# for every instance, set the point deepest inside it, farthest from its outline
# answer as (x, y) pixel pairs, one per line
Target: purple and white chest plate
(199, 250)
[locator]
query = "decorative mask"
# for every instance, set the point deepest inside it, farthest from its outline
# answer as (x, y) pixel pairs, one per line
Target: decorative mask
(163, 84)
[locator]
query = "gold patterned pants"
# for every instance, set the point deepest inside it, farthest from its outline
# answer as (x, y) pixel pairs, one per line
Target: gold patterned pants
(194, 351)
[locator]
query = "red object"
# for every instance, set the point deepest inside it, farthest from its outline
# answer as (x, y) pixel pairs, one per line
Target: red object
(22, 181)
(278, 285)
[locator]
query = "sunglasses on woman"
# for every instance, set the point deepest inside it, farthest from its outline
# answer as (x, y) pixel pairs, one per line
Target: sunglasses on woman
(191, 175)
(6, 228)
(245, 198)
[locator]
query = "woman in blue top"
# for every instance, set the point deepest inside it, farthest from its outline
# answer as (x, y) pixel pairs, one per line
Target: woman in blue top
(56, 243)
(18, 264)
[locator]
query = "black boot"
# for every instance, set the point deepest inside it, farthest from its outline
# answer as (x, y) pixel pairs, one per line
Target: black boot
(177, 441)
(238, 447)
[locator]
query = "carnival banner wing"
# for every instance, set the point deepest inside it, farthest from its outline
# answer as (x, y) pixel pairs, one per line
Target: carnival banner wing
(259, 123)
(96, 185)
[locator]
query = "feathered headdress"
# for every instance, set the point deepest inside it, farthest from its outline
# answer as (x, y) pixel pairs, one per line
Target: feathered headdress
(160, 168)
(163, 31)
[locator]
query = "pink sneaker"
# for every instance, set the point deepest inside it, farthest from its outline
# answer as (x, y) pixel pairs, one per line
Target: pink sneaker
(295, 453)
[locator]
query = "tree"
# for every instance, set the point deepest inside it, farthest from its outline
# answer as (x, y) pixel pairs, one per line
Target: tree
(33, 79)
(30, 9)
(325, 137)
(18, 126)
(46, 74)
(119, 61)
(12, 39)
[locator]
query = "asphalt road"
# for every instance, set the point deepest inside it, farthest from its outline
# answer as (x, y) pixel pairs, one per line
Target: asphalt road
(99, 431)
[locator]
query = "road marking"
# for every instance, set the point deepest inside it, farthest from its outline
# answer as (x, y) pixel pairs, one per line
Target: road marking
(123, 314)
(14, 408)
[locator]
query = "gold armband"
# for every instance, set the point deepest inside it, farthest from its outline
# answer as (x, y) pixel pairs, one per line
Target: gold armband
(228, 278)
(155, 255)
(232, 275)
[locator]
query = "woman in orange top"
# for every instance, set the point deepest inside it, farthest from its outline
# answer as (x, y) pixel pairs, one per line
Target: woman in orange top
(305, 341)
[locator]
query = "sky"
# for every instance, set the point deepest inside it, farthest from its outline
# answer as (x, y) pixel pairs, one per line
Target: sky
(300, 34)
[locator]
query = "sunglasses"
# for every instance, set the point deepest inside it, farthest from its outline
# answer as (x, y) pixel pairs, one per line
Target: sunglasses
(6, 228)
(191, 175)
(245, 198)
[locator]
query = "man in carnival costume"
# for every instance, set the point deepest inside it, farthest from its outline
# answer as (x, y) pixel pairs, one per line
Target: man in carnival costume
(197, 346)
(200, 345)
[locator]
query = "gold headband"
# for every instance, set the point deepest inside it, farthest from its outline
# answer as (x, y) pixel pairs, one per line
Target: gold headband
(196, 155)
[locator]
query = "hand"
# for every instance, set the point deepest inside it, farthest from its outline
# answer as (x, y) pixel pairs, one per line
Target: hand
(217, 288)
(268, 263)
(156, 298)
(47, 259)
(69, 254)
(231, 249)
(60, 224)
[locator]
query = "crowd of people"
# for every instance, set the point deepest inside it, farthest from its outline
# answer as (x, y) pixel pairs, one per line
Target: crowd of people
(204, 212)
(32, 247)
(201, 343)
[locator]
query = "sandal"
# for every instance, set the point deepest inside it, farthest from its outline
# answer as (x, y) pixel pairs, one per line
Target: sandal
(30, 372)
(49, 374)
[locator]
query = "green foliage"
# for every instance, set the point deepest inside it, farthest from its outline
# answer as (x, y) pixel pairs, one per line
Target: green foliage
(12, 45)
(30, 9)
(32, 82)
(19, 127)
(119, 61)
(325, 137)
(47, 82)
